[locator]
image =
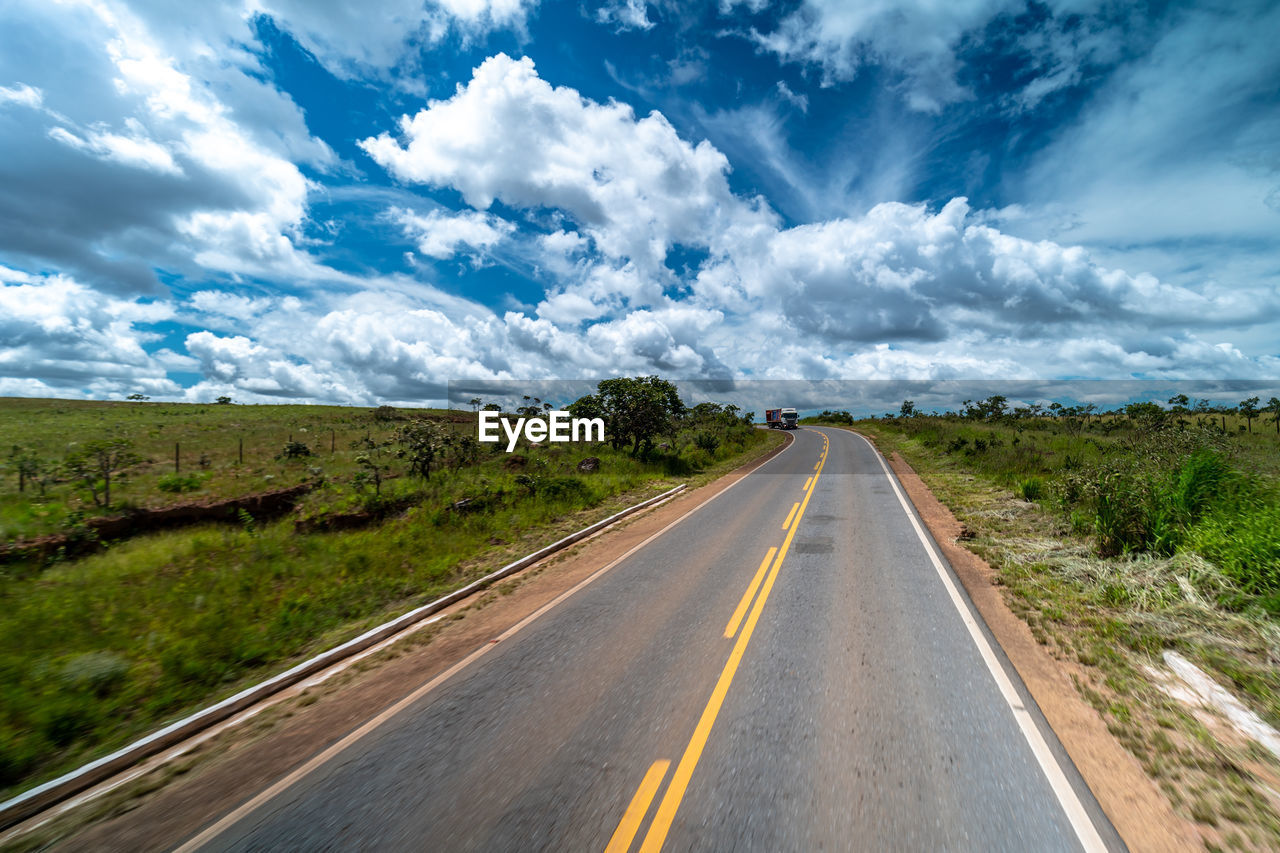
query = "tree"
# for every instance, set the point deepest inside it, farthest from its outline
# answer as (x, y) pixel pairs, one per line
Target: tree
(1144, 413)
(1273, 406)
(30, 467)
(635, 410)
(993, 408)
(1249, 410)
(138, 398)
(1179, 403)
(94, 464)
(224, 400)
(372, 468)
(421, 443)
(908, 409)
(475, 402)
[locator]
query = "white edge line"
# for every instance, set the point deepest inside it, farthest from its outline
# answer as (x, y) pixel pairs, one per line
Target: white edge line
(252, 805)
(31, 802)
(1076, 813)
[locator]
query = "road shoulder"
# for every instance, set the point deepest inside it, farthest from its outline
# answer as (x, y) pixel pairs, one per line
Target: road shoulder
(1130, 799)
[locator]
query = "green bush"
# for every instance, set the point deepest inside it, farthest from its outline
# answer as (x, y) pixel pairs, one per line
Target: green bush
(178, 483)
(563, 489)
(1031, 488)
(1243, 541)
(1204, 477)
(707, 441)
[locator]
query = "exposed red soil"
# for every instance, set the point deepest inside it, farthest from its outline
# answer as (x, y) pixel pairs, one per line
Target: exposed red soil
(261, 505)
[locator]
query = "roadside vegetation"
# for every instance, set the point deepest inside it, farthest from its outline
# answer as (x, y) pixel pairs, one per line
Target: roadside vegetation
(1119, 535)
(403, 506)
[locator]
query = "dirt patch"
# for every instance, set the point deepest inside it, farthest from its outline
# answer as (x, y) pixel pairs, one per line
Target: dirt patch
(262, 505)
(1136, 807)
(164, 807)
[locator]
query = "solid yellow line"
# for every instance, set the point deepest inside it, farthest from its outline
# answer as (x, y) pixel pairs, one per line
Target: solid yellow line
(631, 819)
(732, 627)
(666, 813)
(806, 484)
(790, 515)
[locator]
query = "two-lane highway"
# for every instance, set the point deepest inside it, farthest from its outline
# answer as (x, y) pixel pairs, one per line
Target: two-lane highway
(791, 667)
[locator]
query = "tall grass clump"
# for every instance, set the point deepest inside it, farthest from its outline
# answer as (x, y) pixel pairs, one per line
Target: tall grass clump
(1147, 490)
(1243, 539)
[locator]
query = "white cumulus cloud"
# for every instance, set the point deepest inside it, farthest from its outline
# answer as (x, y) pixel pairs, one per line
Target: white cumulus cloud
(440, 234)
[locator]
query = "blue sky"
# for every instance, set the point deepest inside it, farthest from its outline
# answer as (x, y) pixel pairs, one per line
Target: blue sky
(283, 200)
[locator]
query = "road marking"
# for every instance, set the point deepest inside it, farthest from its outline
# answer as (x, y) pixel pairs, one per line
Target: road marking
(817, 464)
(245, 809)
(732, 627)
(634, 815)
(670, 804)
(806, 484)
(1075, 811)
(795, 506)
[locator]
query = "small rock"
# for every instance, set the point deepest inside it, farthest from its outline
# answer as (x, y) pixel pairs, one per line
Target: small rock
(591, 463)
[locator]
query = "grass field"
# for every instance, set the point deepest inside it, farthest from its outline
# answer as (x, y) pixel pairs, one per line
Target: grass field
(1115, 541)
(99, 650)
(209, 442)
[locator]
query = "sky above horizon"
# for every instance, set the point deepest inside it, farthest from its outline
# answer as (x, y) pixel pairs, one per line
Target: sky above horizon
(314, 200)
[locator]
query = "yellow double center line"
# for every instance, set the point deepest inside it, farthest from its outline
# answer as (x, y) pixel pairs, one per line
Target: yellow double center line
(634, 816)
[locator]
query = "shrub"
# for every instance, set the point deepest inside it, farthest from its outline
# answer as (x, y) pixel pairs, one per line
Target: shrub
(1031, 488)
(1131, 512)
(97, 672)
(707, 441)
(1204, 477)
(294, 450)
(178, 483)
(562, 488)
(1242, 541)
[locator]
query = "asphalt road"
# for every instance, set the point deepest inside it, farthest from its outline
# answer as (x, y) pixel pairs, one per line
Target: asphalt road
(733, 685)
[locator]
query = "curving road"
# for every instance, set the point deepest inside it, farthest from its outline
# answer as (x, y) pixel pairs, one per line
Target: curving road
(739, 683)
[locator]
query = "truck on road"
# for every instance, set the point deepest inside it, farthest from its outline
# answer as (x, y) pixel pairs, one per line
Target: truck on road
(780, 418)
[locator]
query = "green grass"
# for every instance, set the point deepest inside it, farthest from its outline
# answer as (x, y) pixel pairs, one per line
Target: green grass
(98, 651)
(1131, 489)
(208, 440)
